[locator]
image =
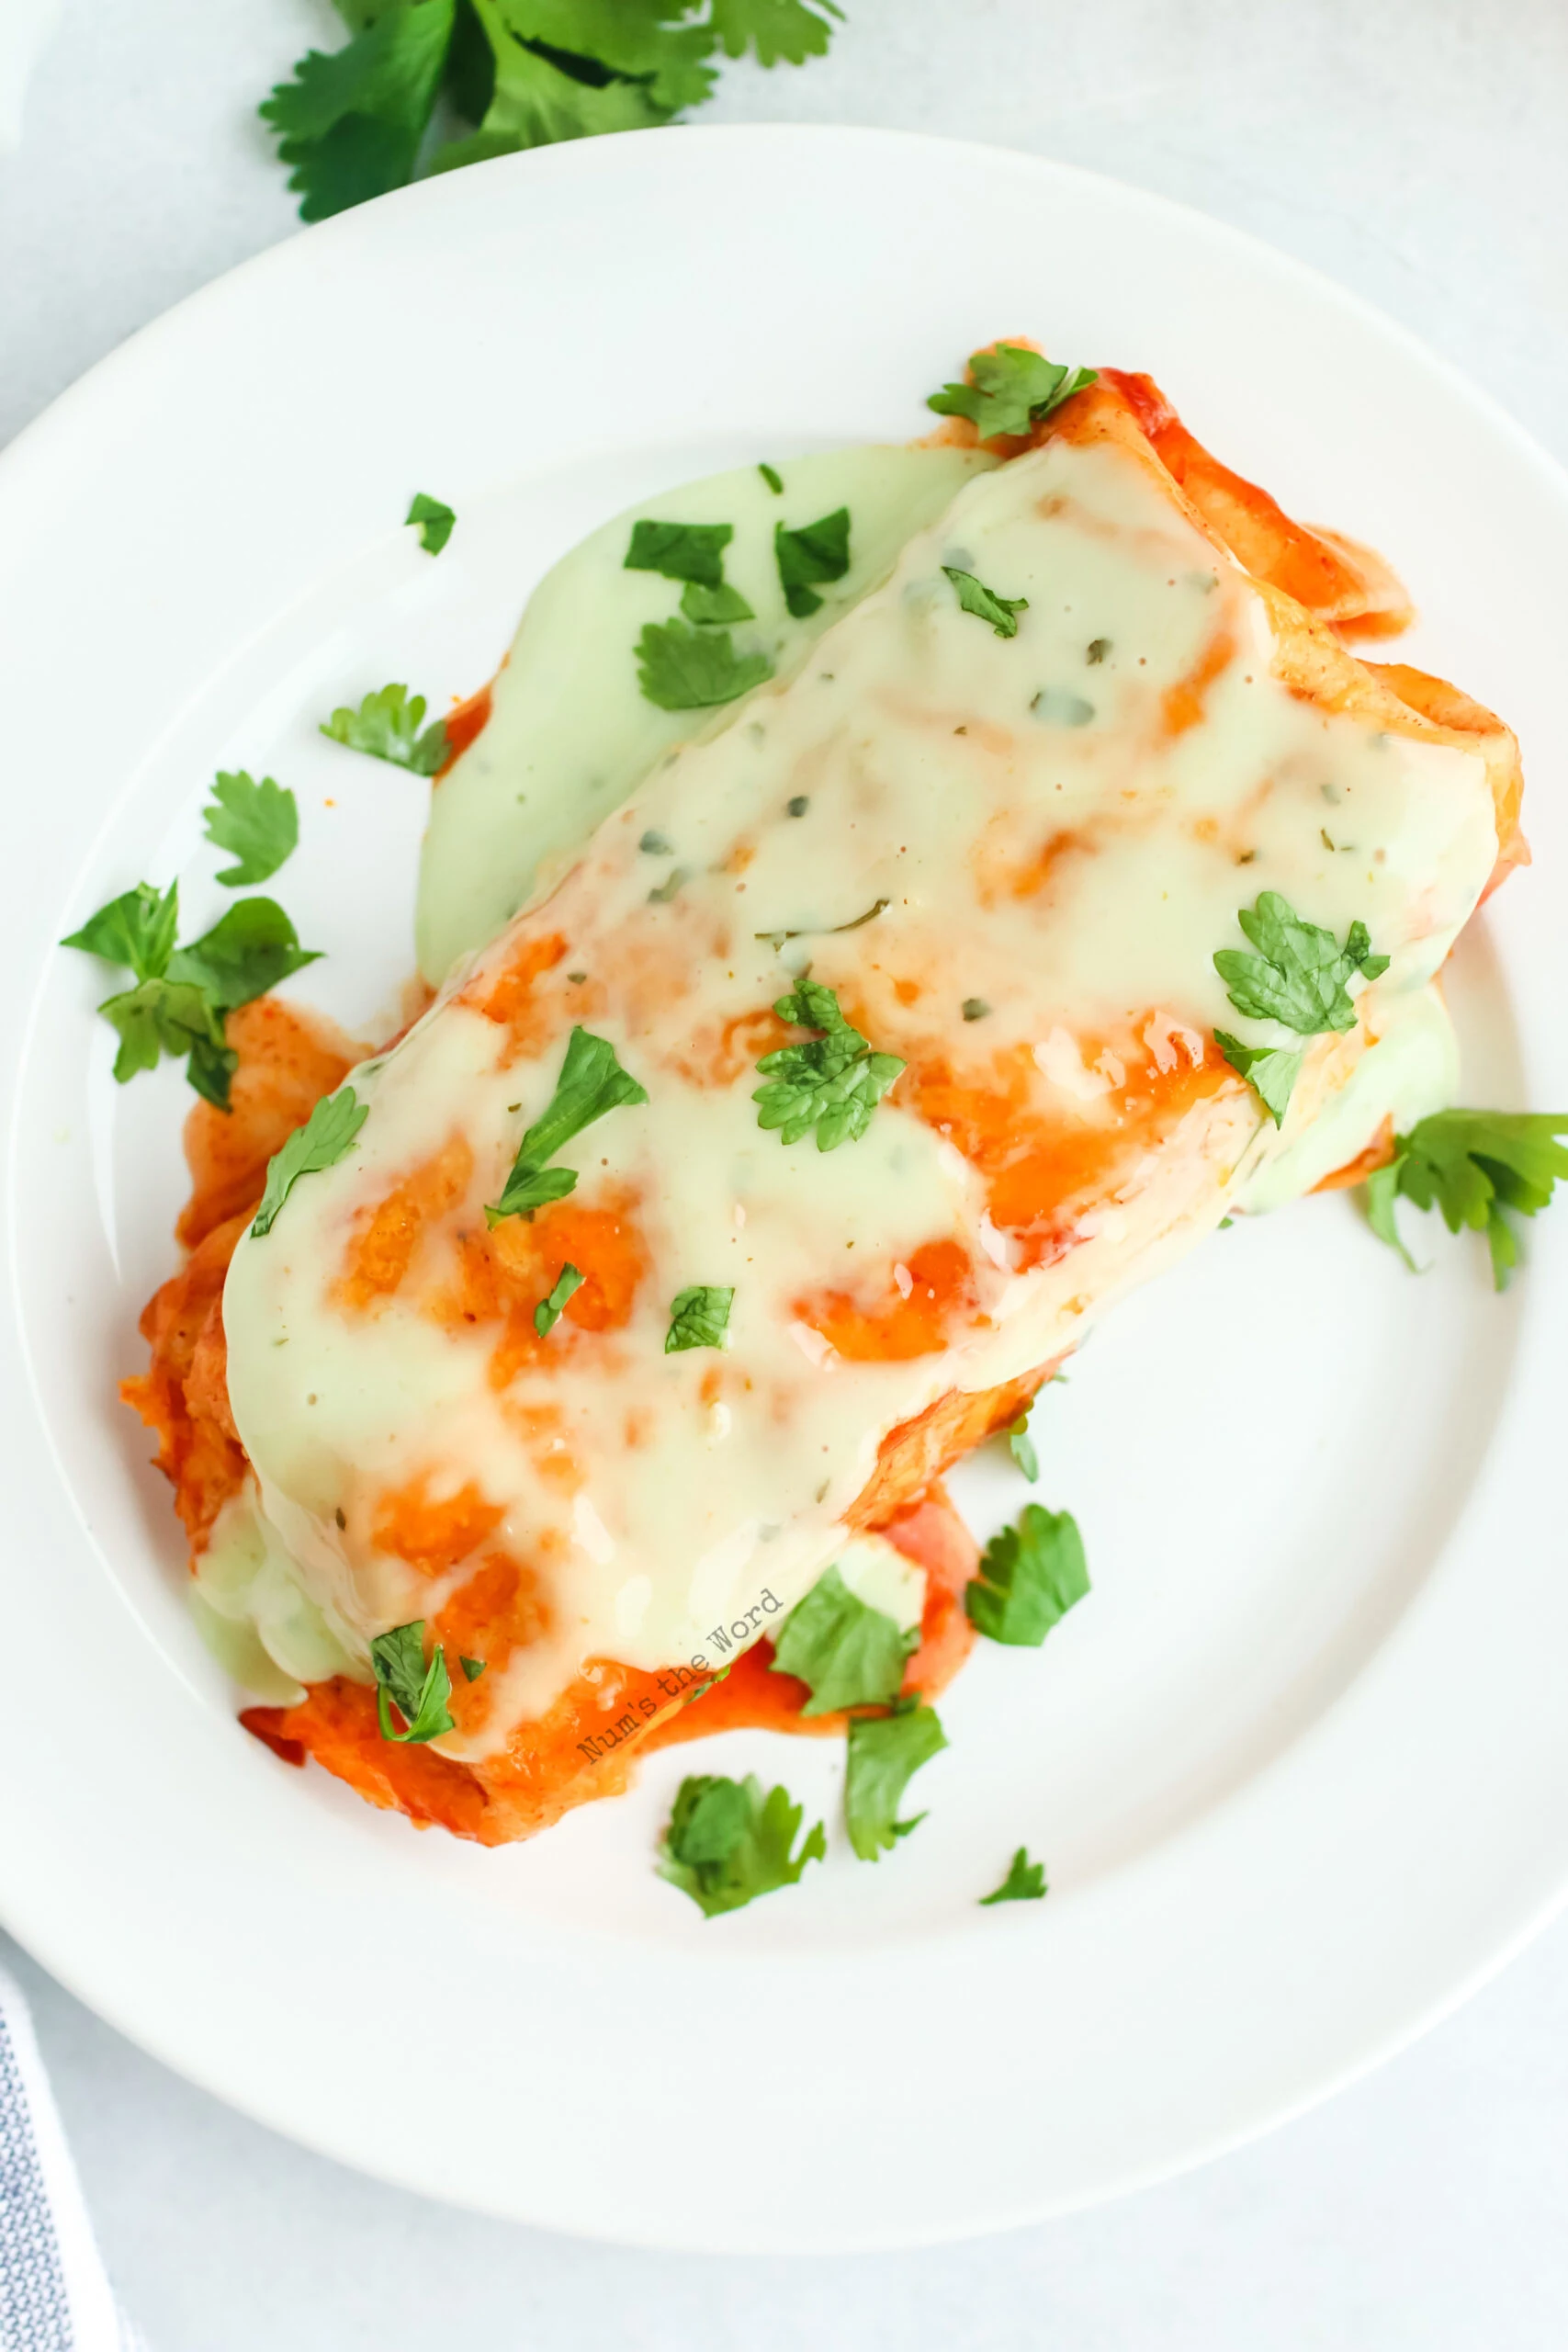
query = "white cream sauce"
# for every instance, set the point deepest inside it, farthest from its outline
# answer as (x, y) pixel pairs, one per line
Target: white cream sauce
(1043, 845)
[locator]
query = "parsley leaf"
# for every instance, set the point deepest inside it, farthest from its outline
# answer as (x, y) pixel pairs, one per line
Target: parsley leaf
(850, 1654)
(818, 552)
(327, 1134)
(436, 521)
(546, 1314)
(726, 1843)
(1013, 388)
(885, 1752)
(136, 929)
(832, 1084)
(1028, 1577)
(1025, 1881)
(714, 607)
(773, 29)
(419, 1693)
(1474, 1166)
(160, 1017)
(1299, 976)
(257, 823)
(680, 550)
(591, 1082)
(387, 725)
(975, 597)
(248, 950)
(682, 668)
(1270, 1070)
(699, 1317)
(351, 124)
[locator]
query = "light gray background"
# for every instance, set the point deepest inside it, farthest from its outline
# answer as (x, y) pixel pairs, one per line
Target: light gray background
(1418, 150)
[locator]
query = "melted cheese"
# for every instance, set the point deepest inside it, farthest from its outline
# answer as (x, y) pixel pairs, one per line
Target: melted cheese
(1060, 828)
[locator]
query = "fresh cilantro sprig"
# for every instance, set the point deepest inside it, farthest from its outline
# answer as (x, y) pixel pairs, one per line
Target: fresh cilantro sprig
(849, 1653)
(975, 597)
(258, 824)
(885, 1753)
(726, 1843)
(1013, 388)
(1025, 1881)
(546, 1314)
(1300, 978)
(699, 1317)
(436, 521)
(685, 668)
(591, 1082)
(1028, 1577)
(353, 123)
(811, 557)
(832, 1085)
(418, 1691)
(327, 1134)
(1476, 1167)
(693, 551)
(1272, 1071)
(387, 725)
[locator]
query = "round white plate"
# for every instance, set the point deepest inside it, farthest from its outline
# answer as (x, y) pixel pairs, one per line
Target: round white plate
(1298, 1767)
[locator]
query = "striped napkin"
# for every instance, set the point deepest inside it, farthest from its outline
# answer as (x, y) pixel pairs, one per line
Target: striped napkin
(55, 2296)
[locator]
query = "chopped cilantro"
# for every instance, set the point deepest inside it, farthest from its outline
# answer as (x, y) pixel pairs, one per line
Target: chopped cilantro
(546, 1314)
(674, 881)
(1025, 1881)
(326, 1136)
(350, 125)
(699, 1317)
(848, 1653)
(832, 1085)
(403, 1680)
(975, 597)
(159, 1017)
(257, 823)
(798, 805)
(1475, 1166)
(885, 1752)
(136, 929)
(248, 951)
(726, 1843)
(1270, 1070)
(472, 1667)
(693, 551)
(654, 844)
(773, 478)
(811, 557)
(1021, 1444)
(436, 522)
(1013, 388)
(974, 1008)
(387, 725)
(591, 1082)
(1299, 973)
(682, 668)
(714, 607)
(1028, 1577)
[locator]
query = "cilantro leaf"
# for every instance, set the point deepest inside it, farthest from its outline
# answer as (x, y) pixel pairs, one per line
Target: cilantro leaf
(327, 1134)
(975, 597)
(419, 1693)
(813, 555)
(726, 1843)
(680, 550)
(680, 668)
(661, 61)
(160, 1017)
(436, 521)
(1020, 1446)
(591, 1082)
(351, 124)
(387, 725)
(522, 96)
(1028, 1577)
(136, 929)
(546, 1314)
(472, 1667)
(1025, 1881)
(773, 478)
(850, 1654)
(1299, 973)
(832, 1085)
(1474, 1166)
(248, 950)
(699, 1317)
(1270, 1070)
(714, 607)
(885, 1752)
(257, 823)
(1013, 388)
(774, 28)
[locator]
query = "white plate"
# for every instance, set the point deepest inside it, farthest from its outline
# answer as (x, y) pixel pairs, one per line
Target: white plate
(1298, 1767)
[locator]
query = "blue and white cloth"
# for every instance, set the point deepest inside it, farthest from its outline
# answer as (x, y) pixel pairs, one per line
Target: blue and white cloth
(55, 2294)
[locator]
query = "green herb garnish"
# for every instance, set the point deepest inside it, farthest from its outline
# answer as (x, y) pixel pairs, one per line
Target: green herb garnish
(714, 607)
(811, 557)
(1272, 1071)
(773, 478)
(591, 1082)
(726, 1843)
(1025, 1881)
(885, 1752)
(387, 725)
(257, 823)
(403, 1680)
(692, 551)
(1299, 978)
(1020, 1446)
(327, 1134)
(1475, 1166)
(436, 522)
(248, 951)
(849, 1653)
(1028, 1577)
(975, 597)
(546, 1314)
(1013, 388)
(832, 1085)
(699, 1317)
(683, 668)
(472, 1667)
